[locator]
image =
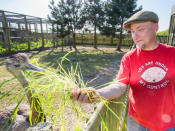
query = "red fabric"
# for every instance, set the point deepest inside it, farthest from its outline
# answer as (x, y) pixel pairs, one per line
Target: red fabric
(151, 75)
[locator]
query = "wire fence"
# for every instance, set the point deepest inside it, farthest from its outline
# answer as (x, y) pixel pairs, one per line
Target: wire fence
(21, 43)
(19, 32)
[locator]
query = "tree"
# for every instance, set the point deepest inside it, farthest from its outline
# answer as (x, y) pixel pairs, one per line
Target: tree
(70, 15)
(116, 12)
(124, 9)
(59, 21)
(163, 33)
(94, 15)
(109, 24)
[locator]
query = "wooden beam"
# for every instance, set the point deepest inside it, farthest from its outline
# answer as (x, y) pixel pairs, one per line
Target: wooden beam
(42, 35)
(26, 32)
(36, 28)
(30, 28)
(53, 36)
(19, 27)
(94, 122)
(47, 34)
(6, 32)
(46, 29)
(109, 116)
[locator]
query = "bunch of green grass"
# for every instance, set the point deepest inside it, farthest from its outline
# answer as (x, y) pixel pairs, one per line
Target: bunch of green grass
(54, 92)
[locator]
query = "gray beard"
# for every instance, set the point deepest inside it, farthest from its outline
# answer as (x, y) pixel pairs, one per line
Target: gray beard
(140, 46)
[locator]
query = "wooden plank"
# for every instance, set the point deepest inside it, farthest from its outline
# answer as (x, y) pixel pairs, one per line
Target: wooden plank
(30, 28)
(42, 35)
(53, 36)
(6, 32)
(113, 115)
(108, 116)
(47, 34)
(26, 32)
(36, 28)
(19, 15)
(19, 27)
(95, 121)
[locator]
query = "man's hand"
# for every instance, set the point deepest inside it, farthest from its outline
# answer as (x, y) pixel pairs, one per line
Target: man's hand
(109, 92)
(84, 95)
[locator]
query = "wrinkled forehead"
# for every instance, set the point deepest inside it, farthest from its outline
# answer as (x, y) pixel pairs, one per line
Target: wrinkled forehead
(137, 25)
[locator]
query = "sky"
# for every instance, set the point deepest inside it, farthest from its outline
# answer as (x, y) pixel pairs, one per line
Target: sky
(39, 8)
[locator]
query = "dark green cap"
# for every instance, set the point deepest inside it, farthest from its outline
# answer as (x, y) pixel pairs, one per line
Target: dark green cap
(141, 16)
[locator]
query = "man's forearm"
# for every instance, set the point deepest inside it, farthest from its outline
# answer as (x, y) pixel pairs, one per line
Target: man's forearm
(112, 91)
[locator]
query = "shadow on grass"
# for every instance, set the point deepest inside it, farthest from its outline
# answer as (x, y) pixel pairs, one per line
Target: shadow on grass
(90, 62)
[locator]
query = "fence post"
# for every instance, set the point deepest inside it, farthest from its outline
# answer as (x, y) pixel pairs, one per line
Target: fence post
(19, 28)
(53, 36)
(42, 35)
(95, 121)
(109, 116)
(30, 28)
(47, 34)
(6, 32)
(26, 32)
(36, 28)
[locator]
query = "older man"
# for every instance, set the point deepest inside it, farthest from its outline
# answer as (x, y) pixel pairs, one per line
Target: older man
(150, 71)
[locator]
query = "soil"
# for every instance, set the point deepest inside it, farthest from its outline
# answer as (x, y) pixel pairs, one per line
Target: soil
(104, 76)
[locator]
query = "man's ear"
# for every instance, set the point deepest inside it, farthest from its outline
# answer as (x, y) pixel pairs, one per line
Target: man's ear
(156, 27)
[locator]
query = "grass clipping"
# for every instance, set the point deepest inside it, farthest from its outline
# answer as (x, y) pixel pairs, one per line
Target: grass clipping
(53, 89)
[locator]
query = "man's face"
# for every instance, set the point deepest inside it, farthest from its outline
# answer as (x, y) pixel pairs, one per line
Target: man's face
(143, 34)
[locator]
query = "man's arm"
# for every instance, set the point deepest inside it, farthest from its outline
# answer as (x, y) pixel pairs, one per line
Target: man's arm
(109, 92)
(112, 91)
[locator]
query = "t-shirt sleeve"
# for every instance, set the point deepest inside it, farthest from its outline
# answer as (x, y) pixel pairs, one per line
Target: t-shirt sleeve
(124, 71)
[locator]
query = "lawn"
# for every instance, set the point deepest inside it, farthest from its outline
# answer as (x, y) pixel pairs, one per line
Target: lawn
(91, 62)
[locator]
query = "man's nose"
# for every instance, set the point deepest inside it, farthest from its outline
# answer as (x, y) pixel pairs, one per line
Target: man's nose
(135, 36)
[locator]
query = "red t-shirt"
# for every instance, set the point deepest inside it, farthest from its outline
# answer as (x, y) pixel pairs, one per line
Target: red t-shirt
(151, 76)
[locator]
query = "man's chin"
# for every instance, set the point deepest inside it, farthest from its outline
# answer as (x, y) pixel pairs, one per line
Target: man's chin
(140, 46)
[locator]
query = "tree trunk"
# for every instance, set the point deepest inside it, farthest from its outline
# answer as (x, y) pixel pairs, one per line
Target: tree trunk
(70, 42)
(112, 40)
(74, 40)
(121, 35)
(95, 37)
(82, 39)
(62, 44)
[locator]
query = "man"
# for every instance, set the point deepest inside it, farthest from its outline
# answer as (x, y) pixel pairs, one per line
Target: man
(150, 71)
